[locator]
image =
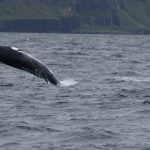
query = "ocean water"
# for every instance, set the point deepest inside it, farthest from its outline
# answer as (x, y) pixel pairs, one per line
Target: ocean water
(104, 103)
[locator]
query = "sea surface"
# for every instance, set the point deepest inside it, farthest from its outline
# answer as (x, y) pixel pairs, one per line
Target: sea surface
(103, 105)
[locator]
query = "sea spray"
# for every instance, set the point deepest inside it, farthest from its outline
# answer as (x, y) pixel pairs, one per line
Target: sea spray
(68, 82)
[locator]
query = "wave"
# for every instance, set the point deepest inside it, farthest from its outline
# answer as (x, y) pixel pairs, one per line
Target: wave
(133, 79)
(6, 84)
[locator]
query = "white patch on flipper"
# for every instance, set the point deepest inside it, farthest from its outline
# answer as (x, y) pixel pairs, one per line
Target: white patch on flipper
(15, 48)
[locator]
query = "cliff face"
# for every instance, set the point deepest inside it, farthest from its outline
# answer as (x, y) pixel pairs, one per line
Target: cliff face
(39, 25)
(86, 16)
(114, 15)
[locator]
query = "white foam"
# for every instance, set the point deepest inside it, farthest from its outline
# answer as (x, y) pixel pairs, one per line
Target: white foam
(68, 82)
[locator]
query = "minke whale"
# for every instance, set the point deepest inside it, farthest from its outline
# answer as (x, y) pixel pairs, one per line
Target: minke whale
(16, 58)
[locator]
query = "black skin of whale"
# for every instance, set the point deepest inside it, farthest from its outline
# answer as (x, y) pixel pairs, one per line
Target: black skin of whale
(23, 61)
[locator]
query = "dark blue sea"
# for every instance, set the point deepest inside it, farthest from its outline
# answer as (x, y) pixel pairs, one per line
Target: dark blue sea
(103, 105)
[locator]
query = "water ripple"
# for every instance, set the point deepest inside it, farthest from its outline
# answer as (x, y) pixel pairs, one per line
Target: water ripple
(104, 104)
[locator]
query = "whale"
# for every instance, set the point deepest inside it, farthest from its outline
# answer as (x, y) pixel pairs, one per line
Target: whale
(17, 58)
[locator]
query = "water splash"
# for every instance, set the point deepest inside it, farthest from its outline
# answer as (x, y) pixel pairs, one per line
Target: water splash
(68, 82)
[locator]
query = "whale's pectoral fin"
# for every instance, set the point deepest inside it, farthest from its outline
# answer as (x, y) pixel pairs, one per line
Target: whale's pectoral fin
(14, 57)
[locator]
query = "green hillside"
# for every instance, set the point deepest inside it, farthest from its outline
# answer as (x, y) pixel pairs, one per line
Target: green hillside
(85, 16)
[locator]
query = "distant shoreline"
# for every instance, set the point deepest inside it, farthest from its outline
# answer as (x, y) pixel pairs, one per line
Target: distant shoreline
(75, 16)
(62, 26)
(105, 33)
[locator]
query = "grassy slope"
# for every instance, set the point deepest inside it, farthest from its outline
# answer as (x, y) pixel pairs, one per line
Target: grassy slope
(137, 17)
(19, 9)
